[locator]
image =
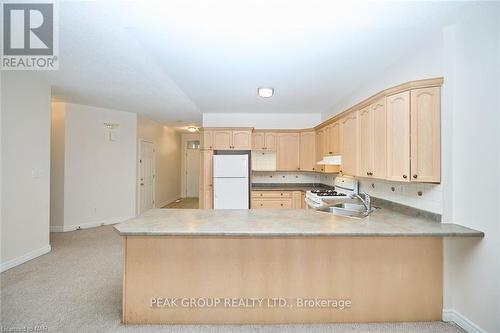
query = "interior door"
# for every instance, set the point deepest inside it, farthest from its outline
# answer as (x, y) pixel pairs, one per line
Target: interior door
(146, 176)
(192, 172)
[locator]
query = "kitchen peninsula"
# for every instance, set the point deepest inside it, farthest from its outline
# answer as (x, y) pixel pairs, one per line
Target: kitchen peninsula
(304, 266)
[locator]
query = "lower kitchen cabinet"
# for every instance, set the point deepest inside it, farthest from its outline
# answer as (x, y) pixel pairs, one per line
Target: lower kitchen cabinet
(277, 199)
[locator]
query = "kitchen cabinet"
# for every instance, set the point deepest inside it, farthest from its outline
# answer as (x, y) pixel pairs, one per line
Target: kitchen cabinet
(320, 148)
(307, 151)
(425, 141)
(297, 199)
(332, 139)
(206, 137)
(242, 139)
(205, 181)
(226, 139)
(276, 199)
(372, 140)
(264, 141)
(398, 136)
(349, 143)
(287, 156)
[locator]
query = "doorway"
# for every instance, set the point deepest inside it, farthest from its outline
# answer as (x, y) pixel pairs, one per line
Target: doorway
(192, 168)
(147, 171)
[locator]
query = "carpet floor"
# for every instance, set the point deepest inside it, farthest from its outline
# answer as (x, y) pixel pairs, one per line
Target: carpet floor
(77, 288)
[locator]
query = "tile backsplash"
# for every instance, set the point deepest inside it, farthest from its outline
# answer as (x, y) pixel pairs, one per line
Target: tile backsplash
(427, 197)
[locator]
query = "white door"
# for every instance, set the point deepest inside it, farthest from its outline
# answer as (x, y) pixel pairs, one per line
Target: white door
(146, 176)
(192, 172)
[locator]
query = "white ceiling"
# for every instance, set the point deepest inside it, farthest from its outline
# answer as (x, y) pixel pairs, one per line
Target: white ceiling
(174, 60)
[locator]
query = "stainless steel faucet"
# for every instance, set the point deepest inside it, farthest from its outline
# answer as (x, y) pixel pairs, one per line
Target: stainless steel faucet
(367, 202)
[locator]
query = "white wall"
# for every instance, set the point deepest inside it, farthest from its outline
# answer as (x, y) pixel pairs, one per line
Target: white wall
(25, 140)
(167, 143)
(262, 120)
(472, 70)
(99, 174)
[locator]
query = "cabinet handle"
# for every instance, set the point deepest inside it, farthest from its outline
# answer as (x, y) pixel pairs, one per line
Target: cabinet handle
(415, 176)
(367, 173)
(281, 205)
(261, 194)
(405, 176)
(330, 153)
(314, 169)
(281, 194)
(261, 205)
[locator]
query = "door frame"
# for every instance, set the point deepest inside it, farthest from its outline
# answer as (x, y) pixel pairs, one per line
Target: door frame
(138, 176)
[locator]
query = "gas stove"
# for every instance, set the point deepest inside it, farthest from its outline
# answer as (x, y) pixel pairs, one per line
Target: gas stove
(344, 187)
(320, 192)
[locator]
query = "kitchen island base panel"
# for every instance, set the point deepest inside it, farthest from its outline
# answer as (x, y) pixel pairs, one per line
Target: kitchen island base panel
(385, 279)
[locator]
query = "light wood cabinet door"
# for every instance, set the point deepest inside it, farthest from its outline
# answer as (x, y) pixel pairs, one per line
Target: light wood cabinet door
(205, 181)
(307, 151)
(365, 135)
(271, 141)
(222, 139)
(320, 148)
(398, 136)
(349, 139)
(258, 141)
(425, 135)
(287, 156)
(206, 139)
(241, 139)
(379, 138)
(296, 199)
(335, 138)
(332, 139)
(272, 203)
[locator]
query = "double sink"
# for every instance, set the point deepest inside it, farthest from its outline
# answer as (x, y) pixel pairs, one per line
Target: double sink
(348, 209)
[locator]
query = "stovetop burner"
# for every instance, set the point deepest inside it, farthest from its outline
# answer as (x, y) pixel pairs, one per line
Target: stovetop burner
(327, 193)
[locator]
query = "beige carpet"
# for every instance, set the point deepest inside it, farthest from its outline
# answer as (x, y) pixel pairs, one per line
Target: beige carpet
(77, 288)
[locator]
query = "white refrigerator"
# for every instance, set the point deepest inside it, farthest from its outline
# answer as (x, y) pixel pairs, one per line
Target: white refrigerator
(231, 187)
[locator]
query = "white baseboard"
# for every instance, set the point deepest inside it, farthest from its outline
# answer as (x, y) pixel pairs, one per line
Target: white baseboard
(462, 321)
(73, 227)
(22, 259)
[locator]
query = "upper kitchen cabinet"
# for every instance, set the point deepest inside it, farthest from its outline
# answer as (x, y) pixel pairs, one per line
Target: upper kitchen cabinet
(372, 140)
(242, 139)
(226, 139)
(287, 157)
(307, 151)
(320, 147)
(206, 137)
(264, 141)
(425, 128)
(349, 143)
(398, 136)
(332, 139)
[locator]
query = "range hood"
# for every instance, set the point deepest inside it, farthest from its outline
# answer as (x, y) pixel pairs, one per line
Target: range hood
(331, 160)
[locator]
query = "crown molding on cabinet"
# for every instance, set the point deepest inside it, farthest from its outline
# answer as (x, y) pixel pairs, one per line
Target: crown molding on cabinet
(425, 83)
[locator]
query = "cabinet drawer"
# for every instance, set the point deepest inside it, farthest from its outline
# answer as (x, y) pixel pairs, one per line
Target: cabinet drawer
(271, 194)
(271, 203)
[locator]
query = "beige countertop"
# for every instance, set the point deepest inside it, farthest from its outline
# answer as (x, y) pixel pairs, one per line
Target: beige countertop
(285, 223)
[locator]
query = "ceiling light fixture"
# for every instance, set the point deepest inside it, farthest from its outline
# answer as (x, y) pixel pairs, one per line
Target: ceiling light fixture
(265, 92)
(192, 129)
